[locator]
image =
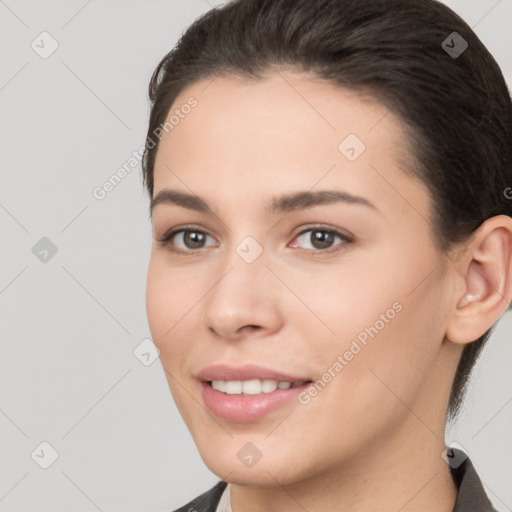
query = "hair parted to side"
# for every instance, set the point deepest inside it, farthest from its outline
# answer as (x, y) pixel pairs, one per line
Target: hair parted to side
(458, 110)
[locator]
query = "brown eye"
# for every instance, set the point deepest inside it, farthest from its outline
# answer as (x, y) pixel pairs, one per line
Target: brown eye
(193, 239)
(185, 240)
(320, 239)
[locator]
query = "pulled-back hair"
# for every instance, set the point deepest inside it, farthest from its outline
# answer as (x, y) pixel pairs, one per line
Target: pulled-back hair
(457, 108)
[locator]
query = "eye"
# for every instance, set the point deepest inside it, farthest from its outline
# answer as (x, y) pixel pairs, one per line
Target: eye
(188, 240)
(184, 240)
(321, 239)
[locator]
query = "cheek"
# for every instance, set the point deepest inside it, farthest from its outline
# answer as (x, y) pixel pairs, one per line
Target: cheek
(170, 298)
(385, 336)
(365, 383)
(343, 302)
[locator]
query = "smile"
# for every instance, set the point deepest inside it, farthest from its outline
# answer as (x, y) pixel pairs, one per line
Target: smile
(252, 387)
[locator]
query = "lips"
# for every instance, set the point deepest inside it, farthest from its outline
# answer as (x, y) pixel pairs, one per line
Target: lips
(248, 393)
(244, 373)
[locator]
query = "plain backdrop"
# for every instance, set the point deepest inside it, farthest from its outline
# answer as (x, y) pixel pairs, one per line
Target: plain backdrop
(72, 286)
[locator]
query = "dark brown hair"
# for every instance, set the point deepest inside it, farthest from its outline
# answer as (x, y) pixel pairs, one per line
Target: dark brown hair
(457, 107)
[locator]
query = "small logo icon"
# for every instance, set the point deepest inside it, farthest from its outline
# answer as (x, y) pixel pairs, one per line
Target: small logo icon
(44, 45)
(44, 250)
(249, 249)
(44, 455)
(249, 455)
(454, 45)
(351, 147)
(146, 352)
(454, 455)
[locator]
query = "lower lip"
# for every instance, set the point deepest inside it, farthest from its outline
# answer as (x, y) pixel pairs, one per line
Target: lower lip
(247, 408)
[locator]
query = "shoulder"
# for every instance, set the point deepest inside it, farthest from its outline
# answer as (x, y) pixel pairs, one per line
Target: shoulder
(206, 502)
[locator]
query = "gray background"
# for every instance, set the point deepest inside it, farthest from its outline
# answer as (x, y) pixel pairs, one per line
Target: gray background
(69, 325)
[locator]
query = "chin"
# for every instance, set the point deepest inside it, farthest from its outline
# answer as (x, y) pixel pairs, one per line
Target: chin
(239, 461)
(261, 474)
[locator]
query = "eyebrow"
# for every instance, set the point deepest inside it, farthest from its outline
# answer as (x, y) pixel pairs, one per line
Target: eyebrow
(284, 203)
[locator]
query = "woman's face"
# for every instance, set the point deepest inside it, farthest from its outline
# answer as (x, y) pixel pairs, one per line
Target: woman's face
(308, 261)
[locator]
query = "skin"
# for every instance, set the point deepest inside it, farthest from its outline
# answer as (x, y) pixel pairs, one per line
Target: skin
(372, 438)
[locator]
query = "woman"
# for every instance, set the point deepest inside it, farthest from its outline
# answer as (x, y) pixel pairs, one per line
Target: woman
(330, 197)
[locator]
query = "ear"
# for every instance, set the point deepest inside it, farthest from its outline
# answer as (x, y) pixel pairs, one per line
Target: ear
(483, 288)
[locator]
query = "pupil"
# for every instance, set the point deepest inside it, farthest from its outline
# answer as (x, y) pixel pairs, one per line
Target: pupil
(193, 239)
(321, 239)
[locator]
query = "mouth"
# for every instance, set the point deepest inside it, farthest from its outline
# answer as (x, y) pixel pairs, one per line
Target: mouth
(249, 393)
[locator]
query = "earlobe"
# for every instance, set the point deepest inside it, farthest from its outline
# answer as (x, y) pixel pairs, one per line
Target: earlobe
(486, 275)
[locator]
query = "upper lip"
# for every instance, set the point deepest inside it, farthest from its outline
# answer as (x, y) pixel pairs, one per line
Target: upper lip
(246, 372)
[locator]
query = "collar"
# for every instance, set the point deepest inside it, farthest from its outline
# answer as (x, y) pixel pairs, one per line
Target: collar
(471, 495)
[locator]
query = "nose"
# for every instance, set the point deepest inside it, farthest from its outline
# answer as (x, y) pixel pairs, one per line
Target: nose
(244, 300)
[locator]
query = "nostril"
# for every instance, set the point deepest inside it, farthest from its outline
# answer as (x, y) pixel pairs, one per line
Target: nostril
(251, 327)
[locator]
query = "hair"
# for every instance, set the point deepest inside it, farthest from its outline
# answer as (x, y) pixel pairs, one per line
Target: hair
(457, 109)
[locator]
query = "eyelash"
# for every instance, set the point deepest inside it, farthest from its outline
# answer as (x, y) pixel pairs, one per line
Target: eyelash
(167, 238)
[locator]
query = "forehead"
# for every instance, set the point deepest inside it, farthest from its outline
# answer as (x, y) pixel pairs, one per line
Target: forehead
(284, 103)
(285, 130)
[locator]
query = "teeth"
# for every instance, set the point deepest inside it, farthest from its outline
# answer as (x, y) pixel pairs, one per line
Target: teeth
(233, 387)
(219, 385)
(268, 385)
(251, 387)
